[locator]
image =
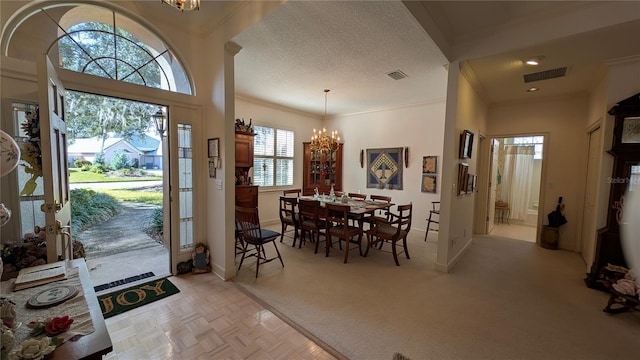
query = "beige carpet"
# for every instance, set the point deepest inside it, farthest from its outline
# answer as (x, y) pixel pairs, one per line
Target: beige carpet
(506, 299)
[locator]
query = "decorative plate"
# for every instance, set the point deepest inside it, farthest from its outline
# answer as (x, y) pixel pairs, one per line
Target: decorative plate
(9, 153)
(52, 296)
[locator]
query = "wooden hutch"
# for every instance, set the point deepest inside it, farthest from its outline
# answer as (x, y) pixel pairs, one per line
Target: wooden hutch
(321, 170)
(246, 192)
(626, 172)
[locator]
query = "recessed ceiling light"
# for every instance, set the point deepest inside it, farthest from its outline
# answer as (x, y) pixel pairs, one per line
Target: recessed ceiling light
(533, 89)
(534, 61)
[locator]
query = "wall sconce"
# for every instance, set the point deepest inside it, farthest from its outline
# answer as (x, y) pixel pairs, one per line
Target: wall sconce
(406, 157)
(160, 120)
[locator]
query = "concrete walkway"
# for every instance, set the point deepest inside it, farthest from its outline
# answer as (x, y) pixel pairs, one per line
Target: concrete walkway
(119, 248)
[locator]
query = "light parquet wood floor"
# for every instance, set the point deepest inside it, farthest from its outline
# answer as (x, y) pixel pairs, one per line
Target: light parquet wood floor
(208, 319)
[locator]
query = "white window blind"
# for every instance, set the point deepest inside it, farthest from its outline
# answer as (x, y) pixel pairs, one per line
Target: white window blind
(273, 151)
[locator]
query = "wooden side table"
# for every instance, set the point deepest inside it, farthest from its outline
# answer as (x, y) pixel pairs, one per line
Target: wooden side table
(502, 213)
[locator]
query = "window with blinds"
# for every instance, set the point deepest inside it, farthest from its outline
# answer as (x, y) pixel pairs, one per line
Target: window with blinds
(272, 157)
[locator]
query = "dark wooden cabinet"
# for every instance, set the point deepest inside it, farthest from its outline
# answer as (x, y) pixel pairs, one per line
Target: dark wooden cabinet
(244, 149)
(626, 172)
(246, 192)
(247, 195)
(321, 170)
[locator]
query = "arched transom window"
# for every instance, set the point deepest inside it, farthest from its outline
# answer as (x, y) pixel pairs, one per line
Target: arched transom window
(98, 41)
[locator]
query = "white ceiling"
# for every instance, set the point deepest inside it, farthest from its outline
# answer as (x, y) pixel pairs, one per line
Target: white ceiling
(303, 47)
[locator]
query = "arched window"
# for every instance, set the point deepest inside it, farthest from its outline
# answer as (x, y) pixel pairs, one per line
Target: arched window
(101, 42)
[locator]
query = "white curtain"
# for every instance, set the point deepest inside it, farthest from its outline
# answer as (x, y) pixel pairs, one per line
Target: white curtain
(516, 180)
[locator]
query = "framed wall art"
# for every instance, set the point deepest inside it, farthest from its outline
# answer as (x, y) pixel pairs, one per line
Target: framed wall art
(463, 175)
(466, 144)
(429, 183)
(212, 168)
(214, 147)
(430, 164)
(384, 168)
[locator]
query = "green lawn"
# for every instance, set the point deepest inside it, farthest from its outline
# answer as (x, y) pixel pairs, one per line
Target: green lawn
(77, 176)
(134, 195)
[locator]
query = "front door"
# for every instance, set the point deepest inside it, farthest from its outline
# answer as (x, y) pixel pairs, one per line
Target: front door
(53, 137)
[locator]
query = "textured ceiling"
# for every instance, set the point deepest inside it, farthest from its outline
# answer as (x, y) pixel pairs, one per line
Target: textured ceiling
(303, 47)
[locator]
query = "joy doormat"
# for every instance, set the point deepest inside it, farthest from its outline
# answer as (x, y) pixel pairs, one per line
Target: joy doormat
(120, 301)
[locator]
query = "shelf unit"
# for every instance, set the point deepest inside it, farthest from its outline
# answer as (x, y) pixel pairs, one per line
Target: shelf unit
(321, 170)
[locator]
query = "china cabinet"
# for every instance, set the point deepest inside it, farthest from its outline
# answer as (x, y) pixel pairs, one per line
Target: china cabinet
(626, 175)
(246, 192)
(321, 170)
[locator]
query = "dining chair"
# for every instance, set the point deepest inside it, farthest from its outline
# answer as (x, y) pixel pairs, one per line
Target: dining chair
(435, 210)
(338, 225)
(357, 218)
(253, 234)
(289, 216)
(392, 231)
(382, 213)
(311, 221)
(357, 196)
(292, 192)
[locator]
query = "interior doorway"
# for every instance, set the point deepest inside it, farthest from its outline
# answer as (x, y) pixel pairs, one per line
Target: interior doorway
(514, 194)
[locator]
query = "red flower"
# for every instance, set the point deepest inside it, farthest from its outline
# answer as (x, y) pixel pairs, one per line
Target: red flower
(58, 325)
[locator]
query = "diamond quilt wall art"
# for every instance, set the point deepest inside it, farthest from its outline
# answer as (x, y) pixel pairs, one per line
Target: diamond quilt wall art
(384, 168)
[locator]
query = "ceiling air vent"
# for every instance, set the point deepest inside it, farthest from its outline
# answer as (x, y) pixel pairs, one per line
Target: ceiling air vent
(397, 75)
(545, 75)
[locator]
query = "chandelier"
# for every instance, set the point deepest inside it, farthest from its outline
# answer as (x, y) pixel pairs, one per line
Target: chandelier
(322, 142)
(183, 5)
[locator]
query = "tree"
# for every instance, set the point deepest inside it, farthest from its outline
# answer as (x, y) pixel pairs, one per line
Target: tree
(91, 48)
(120, 160)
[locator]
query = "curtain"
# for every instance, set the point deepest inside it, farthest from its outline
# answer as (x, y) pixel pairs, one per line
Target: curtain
(516, 180)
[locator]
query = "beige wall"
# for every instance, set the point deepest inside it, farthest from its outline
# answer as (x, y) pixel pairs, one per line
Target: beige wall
(419, 127)
(563, 120)
(271, 115)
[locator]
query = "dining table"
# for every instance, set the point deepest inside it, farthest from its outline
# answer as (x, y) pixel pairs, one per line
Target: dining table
(358, 208)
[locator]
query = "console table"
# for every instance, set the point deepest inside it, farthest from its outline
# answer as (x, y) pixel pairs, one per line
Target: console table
(91, 346)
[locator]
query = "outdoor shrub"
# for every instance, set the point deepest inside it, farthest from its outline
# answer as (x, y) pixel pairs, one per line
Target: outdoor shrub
(99, 168)
(156, 220)
(99, 158)
(85, 168)
(89, 207)
(120, 160)
(81, 163)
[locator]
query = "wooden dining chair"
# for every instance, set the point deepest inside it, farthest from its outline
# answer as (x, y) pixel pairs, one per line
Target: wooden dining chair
(253, 234)
(382, 213)
(356, 218)
(434, 217)
(311, 221)
(292, 192)
(357, 196)
(393, 232)
(289, 217)
(338, 225)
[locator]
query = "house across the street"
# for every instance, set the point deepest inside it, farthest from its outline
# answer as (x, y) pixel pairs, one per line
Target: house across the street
(142, 150)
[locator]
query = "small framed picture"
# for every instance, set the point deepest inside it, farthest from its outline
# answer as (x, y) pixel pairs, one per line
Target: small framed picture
(214, 149)
(429, 164)
(463, 178)
(212, 168)
(429, 183)
(466, 144)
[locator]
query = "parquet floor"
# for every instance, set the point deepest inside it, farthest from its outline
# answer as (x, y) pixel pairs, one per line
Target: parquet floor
(208, 319)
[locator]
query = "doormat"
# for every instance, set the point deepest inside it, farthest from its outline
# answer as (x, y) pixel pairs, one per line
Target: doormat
(122, 281)
(123, 300)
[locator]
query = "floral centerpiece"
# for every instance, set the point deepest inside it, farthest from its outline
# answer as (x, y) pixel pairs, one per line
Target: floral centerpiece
(31, 152)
